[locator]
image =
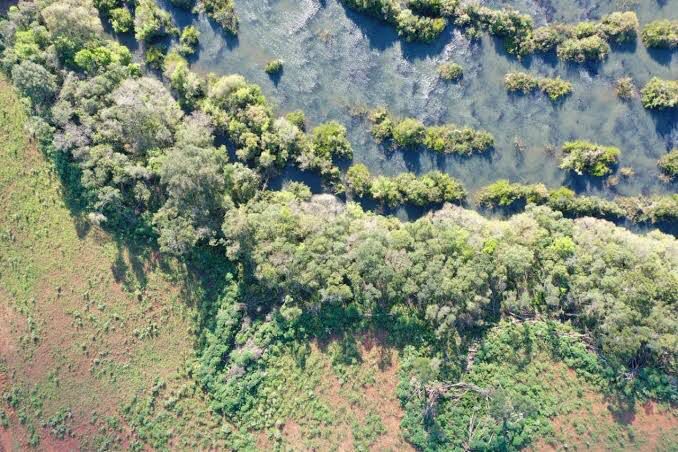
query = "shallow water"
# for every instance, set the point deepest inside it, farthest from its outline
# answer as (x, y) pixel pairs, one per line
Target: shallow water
(339, 63)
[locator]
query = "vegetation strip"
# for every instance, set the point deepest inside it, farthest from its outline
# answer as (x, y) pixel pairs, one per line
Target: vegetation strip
(410, 133)
(424, 20)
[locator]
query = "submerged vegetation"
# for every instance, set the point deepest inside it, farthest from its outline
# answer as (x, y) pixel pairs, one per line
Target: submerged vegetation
(411, 133)
(488, 316)
(554, 88)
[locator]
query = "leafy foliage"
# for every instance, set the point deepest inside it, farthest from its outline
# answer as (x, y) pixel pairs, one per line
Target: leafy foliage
(584, 157)
(661, 34)
(410, 133)
(554, 88)
(659, 94)
(668, 164)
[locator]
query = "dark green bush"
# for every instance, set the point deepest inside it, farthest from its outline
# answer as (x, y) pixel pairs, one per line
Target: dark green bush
(580, 50)
(151, 22)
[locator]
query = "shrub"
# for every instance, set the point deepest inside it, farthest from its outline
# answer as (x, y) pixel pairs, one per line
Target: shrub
(584, 157)
(95, 59)
(330, 140)
(386, 191)
(652, 210)
(505, 194)
(566, 201)
(661, 34)
(513, 27)
(447, 138)
(121, 20)
(434, 8)
(591, 48)
(188, 42)
(155, 57)
(382, 124)
(358, 180)
(442, 188)
(450, 71)
(547, 38)
(619, 27)
(222, 12)
(452, 139)
(34, 82)
(409, 132)
(625, 88)
(151, 22)
(668, 165)
(274, 67)
(520, 82)
(419, 28)
(297, 118)
(660, 94)
(554, 88)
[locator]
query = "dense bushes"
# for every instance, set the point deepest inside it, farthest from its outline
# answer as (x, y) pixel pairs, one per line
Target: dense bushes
(274, 67)
(554, 88)
(661, 34)
(133, 144)
(222, 12)
(668, 165)
(534, 264)
(151, 22)
(412, 26)
(584, 157)
(579, 50)
(430, 188)
(437, 284)
(586, 41)
(659, 94)
(450, 71)
(650, 210)
(410, 133)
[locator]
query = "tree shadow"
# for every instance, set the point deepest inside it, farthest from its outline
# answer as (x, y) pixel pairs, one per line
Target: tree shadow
(5, 5)
(665, 123)
(661, 56)
(379, 35)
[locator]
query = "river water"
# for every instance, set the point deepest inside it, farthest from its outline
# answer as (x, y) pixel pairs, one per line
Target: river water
(339, 63)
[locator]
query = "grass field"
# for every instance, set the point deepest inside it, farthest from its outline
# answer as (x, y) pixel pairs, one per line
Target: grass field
(97, 340)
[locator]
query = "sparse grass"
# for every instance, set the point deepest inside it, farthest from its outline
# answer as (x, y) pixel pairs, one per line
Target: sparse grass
(71, 299)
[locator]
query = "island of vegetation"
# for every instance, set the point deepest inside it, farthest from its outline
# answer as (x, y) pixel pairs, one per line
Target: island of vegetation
(410, 133)
(554, 88)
